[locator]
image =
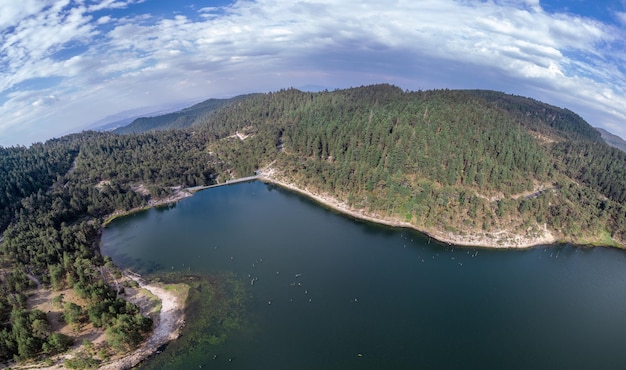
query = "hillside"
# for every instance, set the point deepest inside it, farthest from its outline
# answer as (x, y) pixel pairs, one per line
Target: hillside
(541, 118)
(613, 140)
(468, 167)
(461, 165)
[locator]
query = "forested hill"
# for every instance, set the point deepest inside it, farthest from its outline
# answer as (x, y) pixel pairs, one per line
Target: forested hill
(446, 161)
(456, 161)
(477, 167)
(541, 117)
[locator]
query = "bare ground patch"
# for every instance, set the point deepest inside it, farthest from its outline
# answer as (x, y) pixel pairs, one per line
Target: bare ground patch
(164, 304)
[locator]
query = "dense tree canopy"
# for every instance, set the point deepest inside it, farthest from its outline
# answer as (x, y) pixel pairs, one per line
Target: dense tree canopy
(443, 160)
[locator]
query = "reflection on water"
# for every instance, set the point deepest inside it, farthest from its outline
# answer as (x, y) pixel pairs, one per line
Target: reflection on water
(334, 293)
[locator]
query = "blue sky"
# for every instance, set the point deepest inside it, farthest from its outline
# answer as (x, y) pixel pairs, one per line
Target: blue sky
(66, 64)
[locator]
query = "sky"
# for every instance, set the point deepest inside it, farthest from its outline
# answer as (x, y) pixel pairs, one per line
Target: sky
(65, 64)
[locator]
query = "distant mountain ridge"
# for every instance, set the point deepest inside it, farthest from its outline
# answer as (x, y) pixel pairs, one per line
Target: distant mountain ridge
(126, 117)
(176, 120)
(612, 139)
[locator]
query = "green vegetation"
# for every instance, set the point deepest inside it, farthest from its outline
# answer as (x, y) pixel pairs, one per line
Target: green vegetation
(463, 162)
(26, 171)
(540, 117)
(217, 305)
(452, 161)
(82, 360)
(127, 331)
(72, 313)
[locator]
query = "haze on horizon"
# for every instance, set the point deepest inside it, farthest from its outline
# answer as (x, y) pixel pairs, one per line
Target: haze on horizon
(65, 64)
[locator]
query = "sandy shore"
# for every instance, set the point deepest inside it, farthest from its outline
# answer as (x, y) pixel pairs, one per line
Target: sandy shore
(167, 325)
(500, 239)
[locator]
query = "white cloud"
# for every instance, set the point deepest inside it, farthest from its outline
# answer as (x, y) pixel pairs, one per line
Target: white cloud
(14, 11)
(26, 51)
(111, 4)
(45, 100)
(104, 20)
(510, 45)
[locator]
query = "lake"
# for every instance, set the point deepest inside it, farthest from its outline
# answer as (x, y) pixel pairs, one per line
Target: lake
(331, 292)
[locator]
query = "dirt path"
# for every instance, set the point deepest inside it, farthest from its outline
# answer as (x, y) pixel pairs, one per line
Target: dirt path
(35, 281)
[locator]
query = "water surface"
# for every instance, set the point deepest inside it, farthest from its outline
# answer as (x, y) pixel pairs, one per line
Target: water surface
(330, 292)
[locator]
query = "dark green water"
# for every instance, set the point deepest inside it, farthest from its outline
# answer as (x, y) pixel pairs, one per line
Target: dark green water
(371, 297)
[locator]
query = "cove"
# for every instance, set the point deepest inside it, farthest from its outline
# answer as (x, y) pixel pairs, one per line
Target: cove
(331, 292)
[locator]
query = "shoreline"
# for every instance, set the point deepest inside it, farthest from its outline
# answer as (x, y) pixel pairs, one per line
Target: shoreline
(171, 316)
(167, 329)
(501, 239)
(167, 325)
(179, 194)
